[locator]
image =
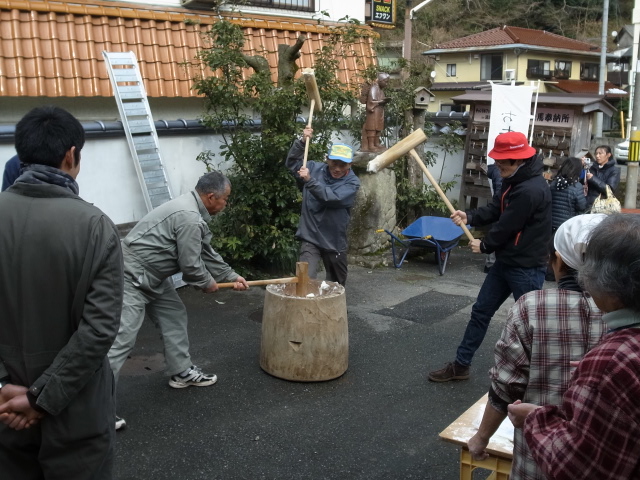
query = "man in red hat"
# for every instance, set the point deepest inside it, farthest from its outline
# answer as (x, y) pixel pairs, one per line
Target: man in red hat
(521, 218)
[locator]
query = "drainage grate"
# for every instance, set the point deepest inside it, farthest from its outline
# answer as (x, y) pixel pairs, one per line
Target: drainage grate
(428, 307)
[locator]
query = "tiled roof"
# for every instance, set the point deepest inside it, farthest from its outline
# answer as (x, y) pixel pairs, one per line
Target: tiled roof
(584, 86)
(54, 49)
(516, 35)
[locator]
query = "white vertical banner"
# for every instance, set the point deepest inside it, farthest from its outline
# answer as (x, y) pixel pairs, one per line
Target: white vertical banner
(510, 112)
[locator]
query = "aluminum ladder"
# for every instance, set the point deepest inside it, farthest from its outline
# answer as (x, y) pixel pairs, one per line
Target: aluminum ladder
(131, 97)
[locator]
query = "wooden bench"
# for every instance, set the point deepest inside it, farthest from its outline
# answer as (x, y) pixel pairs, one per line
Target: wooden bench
(500, 448)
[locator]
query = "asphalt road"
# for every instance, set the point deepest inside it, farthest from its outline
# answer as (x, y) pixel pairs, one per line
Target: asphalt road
(380, 420)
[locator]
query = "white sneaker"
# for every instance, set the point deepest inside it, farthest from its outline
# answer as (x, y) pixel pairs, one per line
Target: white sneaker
(120, 423)
(194, 377)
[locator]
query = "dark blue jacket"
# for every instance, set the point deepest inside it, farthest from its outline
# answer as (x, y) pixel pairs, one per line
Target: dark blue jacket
(522, 216)
(11, 172)
(566, 203)
(493, 173)
(326, 202)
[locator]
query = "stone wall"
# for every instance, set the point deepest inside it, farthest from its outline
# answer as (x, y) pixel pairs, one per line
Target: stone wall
(375, 209)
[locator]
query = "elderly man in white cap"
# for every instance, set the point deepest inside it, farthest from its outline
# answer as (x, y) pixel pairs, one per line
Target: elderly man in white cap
(545, 330)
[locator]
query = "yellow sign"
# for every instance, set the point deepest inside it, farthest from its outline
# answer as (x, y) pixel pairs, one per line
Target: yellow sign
(383, 13)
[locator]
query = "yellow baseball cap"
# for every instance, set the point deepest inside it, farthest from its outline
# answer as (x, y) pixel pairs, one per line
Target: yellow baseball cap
(341, 151)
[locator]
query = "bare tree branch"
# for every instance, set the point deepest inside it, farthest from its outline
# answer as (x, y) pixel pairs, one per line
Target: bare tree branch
(257, 62)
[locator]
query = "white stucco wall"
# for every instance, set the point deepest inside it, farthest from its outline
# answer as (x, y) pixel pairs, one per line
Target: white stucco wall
(336, 9)
(451, 170)
(108, 178)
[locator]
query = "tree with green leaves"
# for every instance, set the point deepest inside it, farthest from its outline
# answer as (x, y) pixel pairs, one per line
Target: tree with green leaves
(258, 227)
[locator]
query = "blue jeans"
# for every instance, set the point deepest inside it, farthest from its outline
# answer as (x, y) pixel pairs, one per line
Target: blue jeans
(501, 281)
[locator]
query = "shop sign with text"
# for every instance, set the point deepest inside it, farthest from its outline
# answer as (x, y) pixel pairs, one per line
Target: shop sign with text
(383, 13)
(544, 117)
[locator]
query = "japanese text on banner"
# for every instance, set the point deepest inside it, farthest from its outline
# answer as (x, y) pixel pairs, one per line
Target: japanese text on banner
(510, 112)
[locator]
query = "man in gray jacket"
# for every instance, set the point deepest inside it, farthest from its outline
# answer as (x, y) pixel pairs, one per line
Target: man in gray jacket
(174, 237)
(328, 193)
(60, 298)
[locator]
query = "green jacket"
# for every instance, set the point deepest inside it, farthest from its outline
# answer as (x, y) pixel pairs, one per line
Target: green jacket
(61, 284)
(174, 237)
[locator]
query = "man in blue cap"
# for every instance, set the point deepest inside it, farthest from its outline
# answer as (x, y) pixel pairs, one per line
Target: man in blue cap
(328, 193)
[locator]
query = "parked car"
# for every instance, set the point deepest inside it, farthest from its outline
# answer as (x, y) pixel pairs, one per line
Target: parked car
(621, 152)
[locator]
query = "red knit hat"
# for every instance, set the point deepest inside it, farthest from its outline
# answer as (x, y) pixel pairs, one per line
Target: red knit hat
(511, 146)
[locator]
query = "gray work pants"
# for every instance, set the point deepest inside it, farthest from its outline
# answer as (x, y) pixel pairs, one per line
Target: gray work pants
(167, 312)
(335, 263)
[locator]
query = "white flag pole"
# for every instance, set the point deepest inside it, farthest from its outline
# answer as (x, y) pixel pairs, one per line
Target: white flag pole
(535, 108)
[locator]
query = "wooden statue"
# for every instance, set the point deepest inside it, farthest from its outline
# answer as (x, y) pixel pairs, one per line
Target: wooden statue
(374, 121)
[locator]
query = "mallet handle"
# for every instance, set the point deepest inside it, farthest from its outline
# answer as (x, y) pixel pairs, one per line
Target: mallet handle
(306, 142)
(444, 198)
(262, 282)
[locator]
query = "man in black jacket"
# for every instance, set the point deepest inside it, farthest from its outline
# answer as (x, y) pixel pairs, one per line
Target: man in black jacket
(522, 216)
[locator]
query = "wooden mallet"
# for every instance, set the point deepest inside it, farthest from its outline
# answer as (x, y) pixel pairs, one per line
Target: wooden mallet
(314, 103)
(301, 280)
(407, 145)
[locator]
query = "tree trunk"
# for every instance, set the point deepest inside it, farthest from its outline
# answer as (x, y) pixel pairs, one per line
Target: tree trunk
(287, 56)
(257, 62)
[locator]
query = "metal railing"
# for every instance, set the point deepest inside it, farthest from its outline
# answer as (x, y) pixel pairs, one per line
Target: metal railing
(538, 72)
(562, 74)
(299, 5)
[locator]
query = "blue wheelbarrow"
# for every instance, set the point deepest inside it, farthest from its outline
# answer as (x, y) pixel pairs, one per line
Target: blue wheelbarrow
(437, 233)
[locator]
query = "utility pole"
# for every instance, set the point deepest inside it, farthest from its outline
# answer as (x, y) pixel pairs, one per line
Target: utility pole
(634, 57)
(631, 192)
(408, 17)
(414, 173)
(406, 46)
(603, 64)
